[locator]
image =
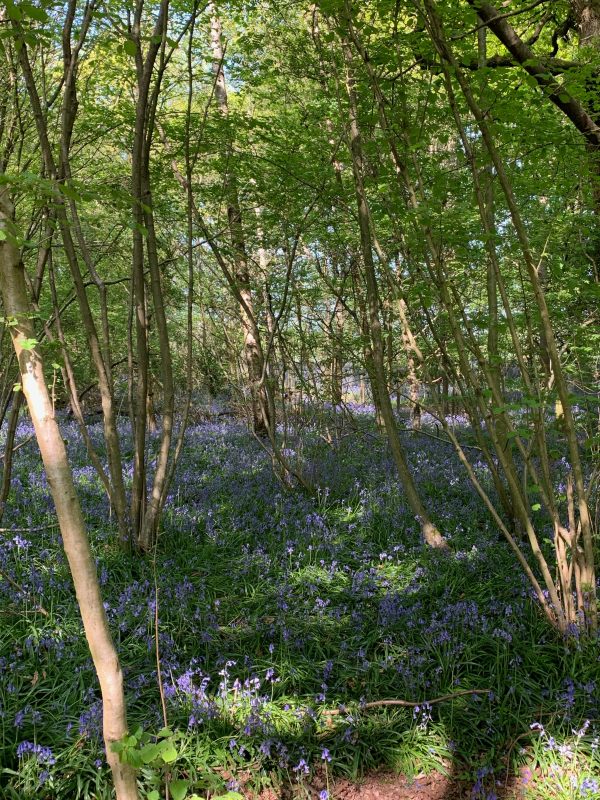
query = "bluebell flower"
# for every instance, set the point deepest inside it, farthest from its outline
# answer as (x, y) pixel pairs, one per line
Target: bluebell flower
(590, 787)
(302, 767)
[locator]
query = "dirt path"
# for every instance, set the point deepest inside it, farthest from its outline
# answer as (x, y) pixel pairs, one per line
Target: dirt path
(434, 786)
(389, 786)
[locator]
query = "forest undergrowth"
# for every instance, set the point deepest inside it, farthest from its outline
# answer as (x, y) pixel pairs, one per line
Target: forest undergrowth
(280, 617)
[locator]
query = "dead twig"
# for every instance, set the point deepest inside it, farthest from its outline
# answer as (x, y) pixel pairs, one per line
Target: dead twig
(408, 703)
(18, 446)
(30, 530)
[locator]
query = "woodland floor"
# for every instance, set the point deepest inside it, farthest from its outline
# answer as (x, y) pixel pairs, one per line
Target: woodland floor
(276, 608)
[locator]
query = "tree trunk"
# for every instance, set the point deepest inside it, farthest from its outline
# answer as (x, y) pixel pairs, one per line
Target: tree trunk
(8, 450)
(413, 354)
(430, 533)
(102, 369)
(146, 508)
(253, 352)
(337, 358)
(72, 527)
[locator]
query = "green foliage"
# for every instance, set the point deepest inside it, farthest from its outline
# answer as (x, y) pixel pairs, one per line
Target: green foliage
(156, 756)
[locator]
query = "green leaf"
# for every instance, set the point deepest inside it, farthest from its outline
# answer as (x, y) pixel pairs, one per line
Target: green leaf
(69, 191)
(130, 47)
(179, 789)
(33, 12)
(168, 751)
(164, 733)
(229, 796)
(134, 758)
(14, 12)
(28, 344)
(536, 507)
(149, 752)
(153, 795)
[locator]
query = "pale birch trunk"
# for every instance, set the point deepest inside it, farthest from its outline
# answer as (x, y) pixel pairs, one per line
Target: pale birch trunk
(72, 527)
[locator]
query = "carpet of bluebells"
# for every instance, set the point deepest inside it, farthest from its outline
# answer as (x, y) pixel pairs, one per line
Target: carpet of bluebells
(275, 607)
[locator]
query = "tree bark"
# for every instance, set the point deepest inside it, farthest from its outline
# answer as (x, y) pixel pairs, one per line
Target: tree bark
(557, 93)
(145, 510)
(72, 527)
(8, 450)
(253, 352)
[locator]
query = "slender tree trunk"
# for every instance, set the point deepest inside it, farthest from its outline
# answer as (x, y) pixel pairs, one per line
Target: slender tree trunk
(587, 17)
(367, 348)
(145, 511)
(270, 376)
(102, 369)
(413, 355)
(140, 327)
(8, 450)
(337, 356)
(430, 533)
(158, 493)
(253, 352)
(486, 180)
(103, 359)
(445, 403)
(72, 527)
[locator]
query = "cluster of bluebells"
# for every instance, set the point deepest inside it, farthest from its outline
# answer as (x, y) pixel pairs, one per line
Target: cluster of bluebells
(27, 714)
(589, 787)
(274, 605)
(481, 788)
(42, 755)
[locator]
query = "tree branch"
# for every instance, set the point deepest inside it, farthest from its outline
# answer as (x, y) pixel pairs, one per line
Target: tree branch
(534, 66)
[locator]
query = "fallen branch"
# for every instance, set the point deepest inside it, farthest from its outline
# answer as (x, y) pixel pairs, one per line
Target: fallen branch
(409, 703)
(30, 530)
